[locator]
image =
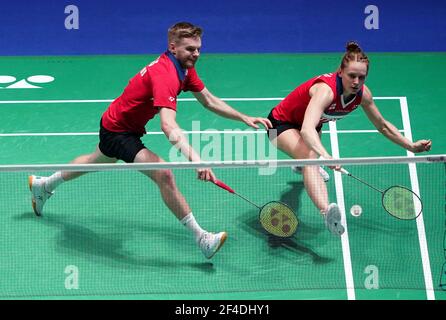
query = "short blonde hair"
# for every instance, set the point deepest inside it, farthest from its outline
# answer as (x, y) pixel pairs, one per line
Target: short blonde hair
(182, 30)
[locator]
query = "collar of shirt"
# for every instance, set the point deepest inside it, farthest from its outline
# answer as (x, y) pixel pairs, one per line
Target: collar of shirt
(180, 71)
(339, 87)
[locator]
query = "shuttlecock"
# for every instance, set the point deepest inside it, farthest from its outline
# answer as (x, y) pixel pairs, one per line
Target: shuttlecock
(356, 210)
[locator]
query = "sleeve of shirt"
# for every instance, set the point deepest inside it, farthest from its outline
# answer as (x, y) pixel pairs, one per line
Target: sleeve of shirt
(164, 92)
(328, 83)
(193, 82)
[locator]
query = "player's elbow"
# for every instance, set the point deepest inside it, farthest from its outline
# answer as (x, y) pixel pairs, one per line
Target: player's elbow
(173, 134)
(210, 102)
(306, 132)
(168, 128)
(210, 105)
(384, 129)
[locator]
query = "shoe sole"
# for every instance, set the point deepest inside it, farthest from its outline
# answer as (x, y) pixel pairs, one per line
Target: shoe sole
(338, 228)
(33, 201)
(222, 241)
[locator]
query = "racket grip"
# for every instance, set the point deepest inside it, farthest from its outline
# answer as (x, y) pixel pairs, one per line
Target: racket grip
(223, 186)
(345, 171)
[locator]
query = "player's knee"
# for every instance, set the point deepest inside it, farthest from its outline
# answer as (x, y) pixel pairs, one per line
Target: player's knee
(310, 171)
(165, 178)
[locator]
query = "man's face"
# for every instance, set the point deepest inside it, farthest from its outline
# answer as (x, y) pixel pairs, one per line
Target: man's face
(353, 77)
(187, 51)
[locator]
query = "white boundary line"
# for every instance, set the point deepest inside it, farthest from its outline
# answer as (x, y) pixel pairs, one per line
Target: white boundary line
(430, 293)
(44, 134)
(350, 285)
(420, 221)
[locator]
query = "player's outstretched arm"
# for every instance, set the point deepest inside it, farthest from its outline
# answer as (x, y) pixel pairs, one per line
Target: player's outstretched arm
(176, 137)
(218, 106)
(388, 129)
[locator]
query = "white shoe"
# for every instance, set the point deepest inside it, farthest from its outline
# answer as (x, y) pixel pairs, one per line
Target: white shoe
(324, 174)
(333, 219)
(39, 194)
(210, 243)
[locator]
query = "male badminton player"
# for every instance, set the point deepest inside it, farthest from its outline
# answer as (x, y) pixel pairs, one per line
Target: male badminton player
(154, 90)
(298, 120)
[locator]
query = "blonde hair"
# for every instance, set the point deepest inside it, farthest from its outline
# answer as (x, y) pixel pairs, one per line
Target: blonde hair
(354, 53)
(182, 30)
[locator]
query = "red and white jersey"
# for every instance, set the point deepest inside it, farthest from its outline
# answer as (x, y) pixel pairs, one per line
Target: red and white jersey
(155, 86)
(292, 108)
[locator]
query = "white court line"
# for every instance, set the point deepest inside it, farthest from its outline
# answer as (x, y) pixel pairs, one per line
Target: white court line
(420, 221)
(430, 293)
(30, 134)
(350, 285)
(179, 99)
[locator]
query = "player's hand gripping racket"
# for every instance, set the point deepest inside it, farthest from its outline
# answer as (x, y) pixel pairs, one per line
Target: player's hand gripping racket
(275, 217)
(400, 202)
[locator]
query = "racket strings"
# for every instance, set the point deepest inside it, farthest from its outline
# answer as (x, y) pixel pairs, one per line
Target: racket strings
(402, 203)
(278, 219)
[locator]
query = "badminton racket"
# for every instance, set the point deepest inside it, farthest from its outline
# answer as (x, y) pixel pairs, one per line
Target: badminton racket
(398, 201)
(276, 217)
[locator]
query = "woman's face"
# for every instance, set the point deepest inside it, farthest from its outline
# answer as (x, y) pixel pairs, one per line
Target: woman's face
(353, 77)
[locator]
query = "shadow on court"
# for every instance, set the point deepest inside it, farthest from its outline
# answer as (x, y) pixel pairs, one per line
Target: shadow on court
(292, 195)
(107, 245)
(296, 243)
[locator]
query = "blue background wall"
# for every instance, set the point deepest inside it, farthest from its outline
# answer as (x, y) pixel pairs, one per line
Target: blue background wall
(137, 26)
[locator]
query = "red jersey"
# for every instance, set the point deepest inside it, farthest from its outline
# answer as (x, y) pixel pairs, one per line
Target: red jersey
(155, 86)
(292, 108)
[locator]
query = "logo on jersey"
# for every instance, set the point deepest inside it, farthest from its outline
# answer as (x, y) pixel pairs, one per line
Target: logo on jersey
(153, 62)
(331, 114)
(29, 83)
(171, 99)
(143, 71)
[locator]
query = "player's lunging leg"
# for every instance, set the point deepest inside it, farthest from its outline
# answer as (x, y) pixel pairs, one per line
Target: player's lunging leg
(42, 188)
(208, 242)
(291, 142)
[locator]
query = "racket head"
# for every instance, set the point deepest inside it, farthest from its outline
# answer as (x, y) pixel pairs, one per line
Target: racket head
(402, 203)
(278, 219)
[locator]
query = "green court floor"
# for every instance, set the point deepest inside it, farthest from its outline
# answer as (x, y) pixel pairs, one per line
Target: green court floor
(112, 229)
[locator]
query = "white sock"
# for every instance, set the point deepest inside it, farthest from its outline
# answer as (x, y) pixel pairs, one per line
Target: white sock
(53, 181)
(190, 223)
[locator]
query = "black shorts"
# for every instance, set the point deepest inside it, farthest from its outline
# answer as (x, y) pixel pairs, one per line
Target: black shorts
(121, 145)
(281, 126)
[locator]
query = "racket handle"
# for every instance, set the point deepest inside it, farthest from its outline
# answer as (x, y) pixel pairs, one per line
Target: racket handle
(345, 171)
(223, 186)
